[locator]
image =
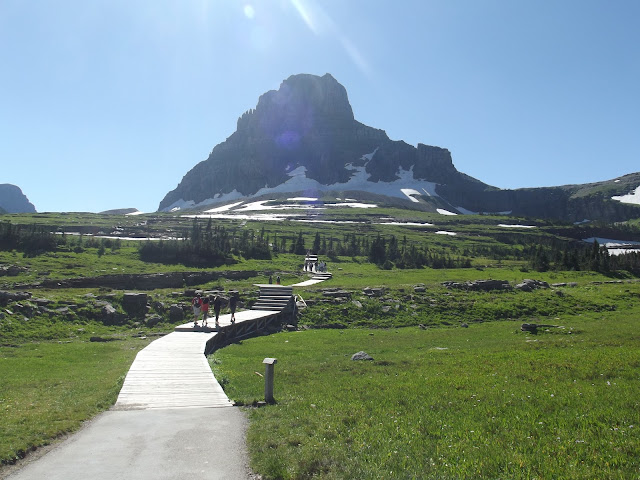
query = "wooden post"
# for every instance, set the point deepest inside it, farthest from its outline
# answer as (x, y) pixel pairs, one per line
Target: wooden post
(268, 379)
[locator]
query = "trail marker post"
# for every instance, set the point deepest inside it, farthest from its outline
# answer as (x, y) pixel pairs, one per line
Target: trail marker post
(268, 379)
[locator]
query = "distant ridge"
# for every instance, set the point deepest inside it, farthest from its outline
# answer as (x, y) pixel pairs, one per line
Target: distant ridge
(12, 200)
(303, 139)
(120, 211)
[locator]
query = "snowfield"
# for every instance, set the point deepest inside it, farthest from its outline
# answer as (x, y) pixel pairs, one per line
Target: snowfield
(633, 197)
(404, 187)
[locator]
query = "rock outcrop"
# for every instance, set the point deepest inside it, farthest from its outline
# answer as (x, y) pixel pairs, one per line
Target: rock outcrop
(12, 200)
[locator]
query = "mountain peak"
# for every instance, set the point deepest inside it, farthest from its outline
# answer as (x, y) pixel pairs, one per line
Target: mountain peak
(302, 102)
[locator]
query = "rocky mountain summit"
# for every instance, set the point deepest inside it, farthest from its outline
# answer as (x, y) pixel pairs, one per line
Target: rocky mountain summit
(303, 138)
(12, 200)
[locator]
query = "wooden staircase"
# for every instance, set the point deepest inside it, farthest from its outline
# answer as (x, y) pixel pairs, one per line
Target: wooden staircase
(273, 298)
(321, 276)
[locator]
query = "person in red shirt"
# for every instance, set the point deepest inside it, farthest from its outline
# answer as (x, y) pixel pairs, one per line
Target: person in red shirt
(205, 310)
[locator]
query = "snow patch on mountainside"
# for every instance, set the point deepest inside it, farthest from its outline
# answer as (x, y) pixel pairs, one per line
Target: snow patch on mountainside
(633, 197)
(299, 182)
(410, 191)
(442, 211)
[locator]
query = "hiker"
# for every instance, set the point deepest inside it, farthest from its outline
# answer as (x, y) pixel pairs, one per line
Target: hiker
(205, 310)
(278, 280)
(233, 301)
(270, 279)
(217, 303)
(196, 304)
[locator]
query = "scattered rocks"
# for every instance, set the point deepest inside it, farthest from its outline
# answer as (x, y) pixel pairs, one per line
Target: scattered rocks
(6, 297)
(528, 285)
(336, 293)
(419, 288)
(479, 285)
(374, 292)
(464, 325)
(361, 356)
(146, 281)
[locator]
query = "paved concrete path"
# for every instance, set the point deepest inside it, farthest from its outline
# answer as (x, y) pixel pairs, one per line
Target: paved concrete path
(154, 444)
(172, 420)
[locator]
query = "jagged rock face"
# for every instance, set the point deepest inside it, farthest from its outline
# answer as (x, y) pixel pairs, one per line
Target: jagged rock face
(308, 122)
(12, 200)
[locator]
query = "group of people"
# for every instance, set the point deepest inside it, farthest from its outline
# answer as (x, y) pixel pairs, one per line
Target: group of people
(200, 305)
(315, 266)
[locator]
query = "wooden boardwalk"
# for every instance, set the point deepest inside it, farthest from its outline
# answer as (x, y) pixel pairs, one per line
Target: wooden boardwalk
(173, 372)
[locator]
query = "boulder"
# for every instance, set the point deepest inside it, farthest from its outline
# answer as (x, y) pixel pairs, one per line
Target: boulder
(110, 316)
(176, 313)
(152, 320)
(357, 303)
(11, 270)
(361, 356)
(135, 303)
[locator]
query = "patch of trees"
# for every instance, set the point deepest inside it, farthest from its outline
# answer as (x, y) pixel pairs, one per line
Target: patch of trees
(207, 246)
(388, 253)
(31, 240)
(576, 256)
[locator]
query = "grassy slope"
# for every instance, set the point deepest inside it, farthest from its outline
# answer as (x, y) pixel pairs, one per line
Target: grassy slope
(50, 388)
(483, 402)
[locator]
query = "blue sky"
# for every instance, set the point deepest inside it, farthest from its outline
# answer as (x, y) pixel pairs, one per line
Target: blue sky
(108, 103)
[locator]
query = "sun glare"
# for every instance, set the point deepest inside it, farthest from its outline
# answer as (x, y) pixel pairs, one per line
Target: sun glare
(249, 12)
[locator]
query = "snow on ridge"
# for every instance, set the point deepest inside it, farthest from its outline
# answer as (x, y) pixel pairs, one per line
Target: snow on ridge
(442, 211)
(223, 208)
(410, 191)
(302, 199)
(444, 232)
(503, 225)
(369, 156)
(633, 197)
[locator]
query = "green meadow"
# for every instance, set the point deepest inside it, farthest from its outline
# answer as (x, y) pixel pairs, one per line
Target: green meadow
(455, 389)
(488, 401)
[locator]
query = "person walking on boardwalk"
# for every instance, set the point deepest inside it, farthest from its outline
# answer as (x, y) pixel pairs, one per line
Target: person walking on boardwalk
(217, 304)
(196, 304)
(205, 310)
(233, 301)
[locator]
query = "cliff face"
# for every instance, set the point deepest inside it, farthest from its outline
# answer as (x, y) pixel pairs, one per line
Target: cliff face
(308, 122)
(304, 137)
(12, 200)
